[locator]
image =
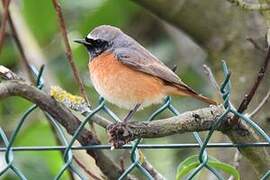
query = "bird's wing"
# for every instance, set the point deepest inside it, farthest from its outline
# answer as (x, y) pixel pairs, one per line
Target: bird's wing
(140, 59)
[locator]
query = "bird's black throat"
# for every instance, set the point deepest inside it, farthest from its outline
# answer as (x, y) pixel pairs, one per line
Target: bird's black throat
(96, 47)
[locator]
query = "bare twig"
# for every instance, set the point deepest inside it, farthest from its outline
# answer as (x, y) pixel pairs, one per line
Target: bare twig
(211, 77)
(86, 170)
(249, 95)
(19, 45)
(63, 29)
(122, 164)
(250, 6)
(154, 173)
(4, 22)
(256, 45)
(259, 107)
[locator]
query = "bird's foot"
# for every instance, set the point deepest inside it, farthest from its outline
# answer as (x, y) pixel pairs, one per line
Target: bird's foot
(119, 134)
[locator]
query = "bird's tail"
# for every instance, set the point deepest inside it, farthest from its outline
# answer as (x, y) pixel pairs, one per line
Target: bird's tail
(204, 99)
(184, 90)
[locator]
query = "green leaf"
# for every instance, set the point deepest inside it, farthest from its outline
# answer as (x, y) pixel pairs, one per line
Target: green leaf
(193, 162)
(227, 168)
(186, 166)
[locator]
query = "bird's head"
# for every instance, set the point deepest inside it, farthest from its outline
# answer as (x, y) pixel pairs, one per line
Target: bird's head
(100, 39)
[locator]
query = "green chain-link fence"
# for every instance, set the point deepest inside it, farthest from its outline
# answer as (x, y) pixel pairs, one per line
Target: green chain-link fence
(67, 147)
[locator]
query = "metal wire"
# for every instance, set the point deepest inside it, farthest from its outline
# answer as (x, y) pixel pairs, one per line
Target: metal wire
(135, 146)
(140, 146)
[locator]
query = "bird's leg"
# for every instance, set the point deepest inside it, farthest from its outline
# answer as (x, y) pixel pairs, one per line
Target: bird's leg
(131, 113)
(118, 132)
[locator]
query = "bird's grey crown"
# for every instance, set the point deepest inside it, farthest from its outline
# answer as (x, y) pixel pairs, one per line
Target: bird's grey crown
(113, 35)
(104, 32)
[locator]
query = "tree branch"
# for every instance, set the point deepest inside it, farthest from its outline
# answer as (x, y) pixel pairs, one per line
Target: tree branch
(198, 120)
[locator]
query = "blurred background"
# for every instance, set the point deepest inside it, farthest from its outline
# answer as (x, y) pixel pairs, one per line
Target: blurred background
(190, 34)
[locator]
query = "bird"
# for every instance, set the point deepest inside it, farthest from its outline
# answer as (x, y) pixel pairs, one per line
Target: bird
(126, 74)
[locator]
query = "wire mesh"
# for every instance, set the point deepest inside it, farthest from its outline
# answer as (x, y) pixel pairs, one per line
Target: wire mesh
(135, 146)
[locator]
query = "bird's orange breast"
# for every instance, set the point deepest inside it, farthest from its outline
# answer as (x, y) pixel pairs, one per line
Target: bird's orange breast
(123, 86)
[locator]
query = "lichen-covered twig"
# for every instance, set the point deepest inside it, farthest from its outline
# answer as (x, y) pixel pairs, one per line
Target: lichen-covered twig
(76, 103)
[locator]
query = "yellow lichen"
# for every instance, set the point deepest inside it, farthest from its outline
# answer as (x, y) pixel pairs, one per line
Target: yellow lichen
(72, 101)
(141, 156)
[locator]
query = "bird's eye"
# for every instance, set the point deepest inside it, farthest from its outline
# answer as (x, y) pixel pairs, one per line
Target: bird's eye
(98, 41)
(87, 39)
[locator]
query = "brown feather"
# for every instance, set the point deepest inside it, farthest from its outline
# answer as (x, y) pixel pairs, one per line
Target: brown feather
(181, 90)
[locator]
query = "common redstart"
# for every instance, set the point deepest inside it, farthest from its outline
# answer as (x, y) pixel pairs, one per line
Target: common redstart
(127, 75)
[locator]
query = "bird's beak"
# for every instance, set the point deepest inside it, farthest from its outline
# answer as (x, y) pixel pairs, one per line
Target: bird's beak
(82, 41)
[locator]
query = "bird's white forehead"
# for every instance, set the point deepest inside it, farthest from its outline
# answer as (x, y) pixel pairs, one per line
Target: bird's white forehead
(89, 36)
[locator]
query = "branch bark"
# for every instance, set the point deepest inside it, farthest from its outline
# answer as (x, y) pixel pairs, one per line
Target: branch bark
(198, 120)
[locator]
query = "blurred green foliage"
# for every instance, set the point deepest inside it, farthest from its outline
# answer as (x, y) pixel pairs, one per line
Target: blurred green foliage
(81, 16)
(41, 19)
